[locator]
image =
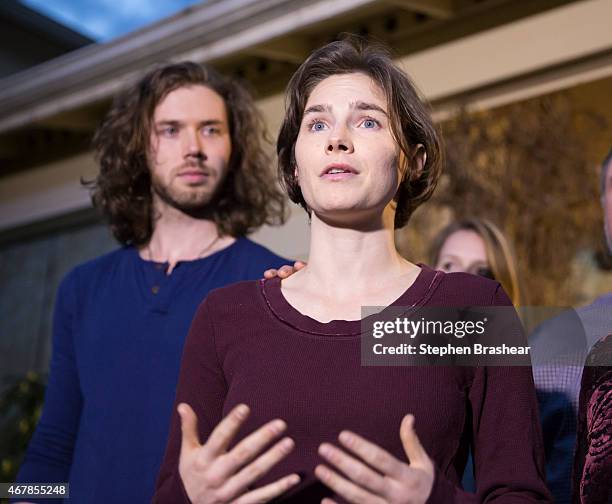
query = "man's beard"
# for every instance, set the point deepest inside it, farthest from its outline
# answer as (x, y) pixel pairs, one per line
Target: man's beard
(195, 203)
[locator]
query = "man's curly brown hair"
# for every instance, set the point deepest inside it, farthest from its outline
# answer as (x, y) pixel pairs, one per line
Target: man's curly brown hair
(249, 196)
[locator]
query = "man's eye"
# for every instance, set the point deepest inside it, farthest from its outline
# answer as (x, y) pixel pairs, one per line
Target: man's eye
(169, 131)
(211, 130)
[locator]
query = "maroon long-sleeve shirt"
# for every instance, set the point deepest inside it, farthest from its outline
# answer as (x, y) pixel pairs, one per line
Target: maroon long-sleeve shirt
(247, 344)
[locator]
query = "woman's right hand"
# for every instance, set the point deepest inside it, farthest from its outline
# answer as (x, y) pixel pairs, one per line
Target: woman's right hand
(212, 475)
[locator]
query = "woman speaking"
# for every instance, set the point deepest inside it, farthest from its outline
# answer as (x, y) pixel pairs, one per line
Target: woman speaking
(273, 401)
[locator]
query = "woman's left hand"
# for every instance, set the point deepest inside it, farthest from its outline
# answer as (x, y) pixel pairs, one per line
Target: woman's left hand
(373, 475)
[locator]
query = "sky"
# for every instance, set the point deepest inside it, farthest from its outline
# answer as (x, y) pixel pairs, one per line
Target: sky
(103, 20)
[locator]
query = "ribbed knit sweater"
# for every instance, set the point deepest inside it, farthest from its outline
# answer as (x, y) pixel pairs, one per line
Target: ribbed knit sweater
(247, 344)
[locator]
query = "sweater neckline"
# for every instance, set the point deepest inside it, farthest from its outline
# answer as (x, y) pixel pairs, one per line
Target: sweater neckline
(416, 295)
(193, 262)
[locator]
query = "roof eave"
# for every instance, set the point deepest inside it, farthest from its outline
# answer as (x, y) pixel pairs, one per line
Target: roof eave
(203, 33)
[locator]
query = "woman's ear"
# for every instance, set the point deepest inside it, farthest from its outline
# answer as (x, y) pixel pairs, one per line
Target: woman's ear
(418, 161)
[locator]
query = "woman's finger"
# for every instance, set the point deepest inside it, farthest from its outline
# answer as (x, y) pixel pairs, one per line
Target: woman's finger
(410, 441)
(260, 466)
(189, 428)
(347, 489)
(226, 429)
(374, 455)
(250, 447)
(357, 471)
(269, 492)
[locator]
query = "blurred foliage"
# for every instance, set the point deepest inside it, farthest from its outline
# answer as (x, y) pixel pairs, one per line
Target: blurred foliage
(527, 168)
(20, 407)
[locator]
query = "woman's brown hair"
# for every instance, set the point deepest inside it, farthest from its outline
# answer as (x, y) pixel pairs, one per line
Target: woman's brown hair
(249, 196)
(411, 123)
(499, 253)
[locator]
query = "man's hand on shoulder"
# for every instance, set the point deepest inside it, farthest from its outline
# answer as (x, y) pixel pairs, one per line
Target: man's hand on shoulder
(284, 271)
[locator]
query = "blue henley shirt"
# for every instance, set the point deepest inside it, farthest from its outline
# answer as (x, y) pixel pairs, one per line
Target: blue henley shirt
(119, 327)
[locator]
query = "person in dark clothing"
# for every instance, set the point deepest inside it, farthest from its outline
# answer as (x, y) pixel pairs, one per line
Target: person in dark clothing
(272, 399)
(183, 178)
(592, 470)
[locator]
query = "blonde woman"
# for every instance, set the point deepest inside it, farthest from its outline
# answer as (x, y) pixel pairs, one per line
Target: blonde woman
(477, 246)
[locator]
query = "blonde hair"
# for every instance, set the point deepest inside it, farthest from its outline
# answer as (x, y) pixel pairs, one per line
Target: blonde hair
(499, 253)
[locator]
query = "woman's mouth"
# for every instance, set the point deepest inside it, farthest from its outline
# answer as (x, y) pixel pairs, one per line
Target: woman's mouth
(339, 171)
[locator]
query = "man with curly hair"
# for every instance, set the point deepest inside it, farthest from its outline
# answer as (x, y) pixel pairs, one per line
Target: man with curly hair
(183, 179)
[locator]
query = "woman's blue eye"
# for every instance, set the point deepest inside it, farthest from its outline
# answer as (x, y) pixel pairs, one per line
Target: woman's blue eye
(369, 123)
(318, 126)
